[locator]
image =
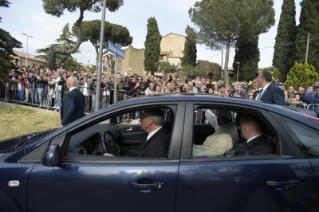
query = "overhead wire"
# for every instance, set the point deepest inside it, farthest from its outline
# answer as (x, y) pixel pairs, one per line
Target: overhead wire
(286, 44)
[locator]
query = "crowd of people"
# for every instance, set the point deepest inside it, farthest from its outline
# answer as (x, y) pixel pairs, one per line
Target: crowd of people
(47, 88)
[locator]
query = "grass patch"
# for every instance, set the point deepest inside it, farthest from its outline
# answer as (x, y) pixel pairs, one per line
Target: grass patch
(16, 120)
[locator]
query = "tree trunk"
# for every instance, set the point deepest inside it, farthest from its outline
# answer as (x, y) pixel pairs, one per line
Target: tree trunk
(54, 50)
(226, 64)
(51, 59)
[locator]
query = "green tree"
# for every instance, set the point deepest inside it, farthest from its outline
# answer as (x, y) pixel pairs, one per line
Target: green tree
(219, 28)
(63, 42)
(152, 45)
(117, 34)
(276, 74)
(57, 7)
(7, 44)
(301, 75)
(191, 71)
(248, 54)
(190, 50)
(309, 23)
(166, 66)
(285, 38)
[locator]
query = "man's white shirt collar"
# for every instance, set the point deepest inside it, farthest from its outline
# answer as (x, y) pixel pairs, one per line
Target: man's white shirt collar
(152, 133)
(71, 89)
(261, 93)
(248, 140)
(265, 87)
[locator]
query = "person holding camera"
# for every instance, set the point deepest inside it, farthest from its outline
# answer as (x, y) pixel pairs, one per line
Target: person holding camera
(84, 83)
(92, 88)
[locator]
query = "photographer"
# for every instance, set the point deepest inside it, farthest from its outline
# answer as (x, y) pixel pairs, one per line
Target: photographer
(92, 88)
(13, 83)
(84, 84)
(32, 79)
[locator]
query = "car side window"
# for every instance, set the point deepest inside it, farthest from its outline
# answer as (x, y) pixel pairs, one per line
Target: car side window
(305, 138)
(217, 134)
(120, 134)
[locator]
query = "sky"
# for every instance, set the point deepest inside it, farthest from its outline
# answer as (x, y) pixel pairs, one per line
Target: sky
(30, 18)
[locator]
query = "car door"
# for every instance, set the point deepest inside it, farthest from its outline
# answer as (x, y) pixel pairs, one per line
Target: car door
(282, 182)
(91, 183)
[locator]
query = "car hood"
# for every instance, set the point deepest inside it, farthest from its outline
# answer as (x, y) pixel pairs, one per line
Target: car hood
(9, 145)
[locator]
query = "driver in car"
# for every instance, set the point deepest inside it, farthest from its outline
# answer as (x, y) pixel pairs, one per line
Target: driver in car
(157, 141)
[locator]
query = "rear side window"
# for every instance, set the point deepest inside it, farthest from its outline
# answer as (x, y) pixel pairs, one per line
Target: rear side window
(306, 139)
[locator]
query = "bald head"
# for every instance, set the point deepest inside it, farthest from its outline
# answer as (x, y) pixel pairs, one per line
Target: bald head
(71, 82)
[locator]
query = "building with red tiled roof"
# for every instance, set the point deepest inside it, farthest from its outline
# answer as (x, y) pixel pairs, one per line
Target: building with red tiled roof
(20, 60)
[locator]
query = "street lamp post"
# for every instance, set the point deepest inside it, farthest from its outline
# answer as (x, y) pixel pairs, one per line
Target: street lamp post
(238, 64)
(26, 58)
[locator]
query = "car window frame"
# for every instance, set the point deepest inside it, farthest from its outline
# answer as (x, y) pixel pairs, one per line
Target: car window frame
(175, 143)
(281, 135)
(282, 121)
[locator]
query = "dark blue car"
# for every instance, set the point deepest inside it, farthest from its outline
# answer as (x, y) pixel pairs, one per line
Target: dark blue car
(64, 170)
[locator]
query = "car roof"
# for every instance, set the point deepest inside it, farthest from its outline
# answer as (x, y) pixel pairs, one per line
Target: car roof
(289, 112)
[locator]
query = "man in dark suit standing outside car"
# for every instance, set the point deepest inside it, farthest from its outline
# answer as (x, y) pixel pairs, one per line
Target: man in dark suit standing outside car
(73, 105)
(269, 92)
(157, 141)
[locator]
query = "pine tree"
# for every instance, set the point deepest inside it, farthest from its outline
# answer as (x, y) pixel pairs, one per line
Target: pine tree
(7, 44)
(285, 38)
(65, 41)
(301, 75)
(152, 45)
(309, 23)
(247, 53)
(190, 50)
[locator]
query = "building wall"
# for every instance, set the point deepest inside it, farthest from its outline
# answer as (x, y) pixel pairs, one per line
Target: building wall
(20, 60)
(134, 60)
(173, 43)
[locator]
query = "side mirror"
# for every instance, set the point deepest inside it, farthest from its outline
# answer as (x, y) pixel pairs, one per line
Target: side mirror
(51, 156)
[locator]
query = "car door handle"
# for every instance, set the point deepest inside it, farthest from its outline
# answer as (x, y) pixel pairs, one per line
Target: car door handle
(283, 185)
(145, 188)
(129, 129)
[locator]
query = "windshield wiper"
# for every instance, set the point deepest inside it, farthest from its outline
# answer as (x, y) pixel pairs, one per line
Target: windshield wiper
(32, 136)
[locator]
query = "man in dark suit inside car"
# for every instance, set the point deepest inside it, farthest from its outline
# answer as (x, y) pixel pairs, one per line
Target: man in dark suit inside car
(157, 141)
(252, 136)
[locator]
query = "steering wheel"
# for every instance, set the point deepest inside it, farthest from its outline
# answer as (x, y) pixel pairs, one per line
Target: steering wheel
(109, 144)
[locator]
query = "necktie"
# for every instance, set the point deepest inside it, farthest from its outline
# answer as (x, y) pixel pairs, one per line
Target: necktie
(260, 93)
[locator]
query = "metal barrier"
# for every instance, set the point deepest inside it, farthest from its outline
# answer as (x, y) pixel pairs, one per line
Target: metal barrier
(313, 107)
(37, 98)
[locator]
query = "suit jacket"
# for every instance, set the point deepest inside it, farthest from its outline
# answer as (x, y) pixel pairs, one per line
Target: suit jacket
(259, 144)
(72, 107)
(273, 95)
(156, 146)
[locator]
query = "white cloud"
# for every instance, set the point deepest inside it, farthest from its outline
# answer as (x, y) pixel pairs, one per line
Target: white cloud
(172, 16)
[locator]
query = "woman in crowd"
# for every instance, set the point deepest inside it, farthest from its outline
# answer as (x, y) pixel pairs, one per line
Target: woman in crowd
(158, 89)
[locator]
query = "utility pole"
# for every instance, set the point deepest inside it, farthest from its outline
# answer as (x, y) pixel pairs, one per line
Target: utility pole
(221, 64)
(98, 80)
(307, 46)
(26, 58)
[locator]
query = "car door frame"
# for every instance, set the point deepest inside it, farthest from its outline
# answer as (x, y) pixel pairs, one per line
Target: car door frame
(281, 135)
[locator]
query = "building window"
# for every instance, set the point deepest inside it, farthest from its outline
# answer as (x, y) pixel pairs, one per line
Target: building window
(161, 57)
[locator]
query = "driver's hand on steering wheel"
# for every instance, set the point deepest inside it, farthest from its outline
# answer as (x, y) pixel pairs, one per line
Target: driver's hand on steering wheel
(108, 154)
